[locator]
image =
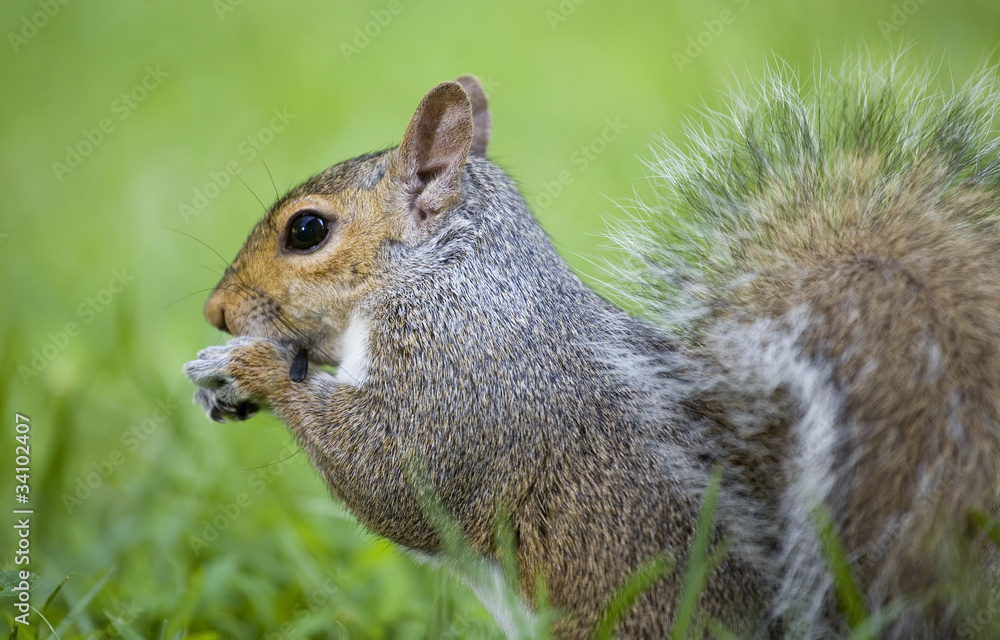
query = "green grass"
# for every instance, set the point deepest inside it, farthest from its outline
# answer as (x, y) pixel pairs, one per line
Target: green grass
(102, 302)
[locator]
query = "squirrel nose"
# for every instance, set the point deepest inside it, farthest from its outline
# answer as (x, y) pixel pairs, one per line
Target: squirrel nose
(215, 312)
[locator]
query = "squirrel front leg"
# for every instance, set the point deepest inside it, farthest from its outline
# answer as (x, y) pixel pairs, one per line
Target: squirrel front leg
(328, 419)
(237, 378)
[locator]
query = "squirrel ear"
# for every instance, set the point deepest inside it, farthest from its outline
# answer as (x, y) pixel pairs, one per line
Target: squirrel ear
(481, 121)
(434, 149)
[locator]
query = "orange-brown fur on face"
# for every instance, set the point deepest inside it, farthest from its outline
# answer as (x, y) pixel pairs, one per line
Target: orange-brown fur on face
(400, 195)
(307, 299)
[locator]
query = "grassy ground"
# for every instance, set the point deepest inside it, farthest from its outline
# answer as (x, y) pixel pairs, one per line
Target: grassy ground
(121, 123)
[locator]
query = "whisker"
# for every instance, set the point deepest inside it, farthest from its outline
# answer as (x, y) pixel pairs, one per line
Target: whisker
(291, 455)
(262, 205)
(273, 186)
(279, 321)
(310, 343)
(201, 242)
(193, 293)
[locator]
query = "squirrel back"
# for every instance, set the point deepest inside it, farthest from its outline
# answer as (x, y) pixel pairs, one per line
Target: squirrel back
(826, 294)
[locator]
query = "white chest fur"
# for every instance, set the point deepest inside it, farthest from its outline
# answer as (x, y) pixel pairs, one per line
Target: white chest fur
(354, 355)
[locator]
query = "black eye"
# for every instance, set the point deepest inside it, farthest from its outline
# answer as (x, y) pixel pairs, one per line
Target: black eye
(306, 231)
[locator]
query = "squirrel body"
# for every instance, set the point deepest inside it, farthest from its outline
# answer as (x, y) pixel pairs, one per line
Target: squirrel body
(829, 338)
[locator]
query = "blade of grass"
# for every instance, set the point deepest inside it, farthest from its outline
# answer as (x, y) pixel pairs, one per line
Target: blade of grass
(698, 567)
(81, 605)
(123, 628)
(637, 583)
(485, 576)
(989, 525)
(720, 631)
(849, 596)
(55, 592)
(870, 627)
(47, 623)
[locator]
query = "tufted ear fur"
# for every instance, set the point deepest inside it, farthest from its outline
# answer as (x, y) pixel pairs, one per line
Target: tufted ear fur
(434, 149)
(482, 123)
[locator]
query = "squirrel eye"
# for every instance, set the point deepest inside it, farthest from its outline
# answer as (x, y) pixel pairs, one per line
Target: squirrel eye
(306, 231)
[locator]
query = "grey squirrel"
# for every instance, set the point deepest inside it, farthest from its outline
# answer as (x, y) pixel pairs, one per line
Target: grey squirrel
(822, 287)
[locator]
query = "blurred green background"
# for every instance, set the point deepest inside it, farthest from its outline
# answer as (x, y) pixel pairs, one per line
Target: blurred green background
(122, 124)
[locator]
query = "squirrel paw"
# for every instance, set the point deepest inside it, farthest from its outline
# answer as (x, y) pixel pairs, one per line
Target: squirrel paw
(222, 411)
(238, 377)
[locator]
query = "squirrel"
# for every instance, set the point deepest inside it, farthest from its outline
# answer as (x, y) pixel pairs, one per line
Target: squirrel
(815, 312)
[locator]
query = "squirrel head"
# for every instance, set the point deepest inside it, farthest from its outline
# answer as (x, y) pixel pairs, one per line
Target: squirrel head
(315, 255)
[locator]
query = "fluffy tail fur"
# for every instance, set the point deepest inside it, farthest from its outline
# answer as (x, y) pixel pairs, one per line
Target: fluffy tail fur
(833, 254)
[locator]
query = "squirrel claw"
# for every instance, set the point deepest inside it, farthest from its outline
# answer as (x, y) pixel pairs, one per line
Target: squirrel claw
(246, 410)
(222, 411)
(216, 414)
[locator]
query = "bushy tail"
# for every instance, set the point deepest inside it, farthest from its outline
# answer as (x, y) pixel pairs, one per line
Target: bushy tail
(834, 250)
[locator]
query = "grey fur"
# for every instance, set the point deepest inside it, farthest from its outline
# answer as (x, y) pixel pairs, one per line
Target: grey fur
(519, 392)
